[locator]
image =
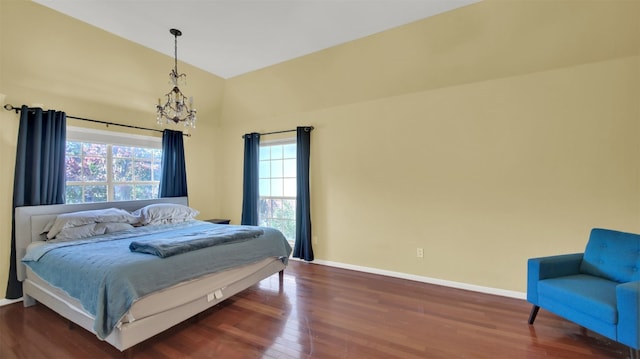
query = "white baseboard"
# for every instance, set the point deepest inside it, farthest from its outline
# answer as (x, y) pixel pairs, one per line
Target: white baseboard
(417, 278)
(5, 301)
(413, 277)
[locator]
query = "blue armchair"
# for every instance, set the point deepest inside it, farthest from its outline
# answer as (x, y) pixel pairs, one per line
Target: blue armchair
(598, 289)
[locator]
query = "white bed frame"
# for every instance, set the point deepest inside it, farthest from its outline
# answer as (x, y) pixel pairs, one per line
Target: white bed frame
(152, 314)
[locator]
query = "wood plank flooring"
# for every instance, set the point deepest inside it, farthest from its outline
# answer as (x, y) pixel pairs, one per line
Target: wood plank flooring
(325, 312)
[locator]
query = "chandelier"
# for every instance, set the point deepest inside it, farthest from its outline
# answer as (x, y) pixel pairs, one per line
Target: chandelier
(177, 109)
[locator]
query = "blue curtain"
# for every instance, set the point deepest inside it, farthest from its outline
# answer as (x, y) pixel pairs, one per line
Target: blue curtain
(250, 193)
(39, 172)
(302, 248)
(173, 182)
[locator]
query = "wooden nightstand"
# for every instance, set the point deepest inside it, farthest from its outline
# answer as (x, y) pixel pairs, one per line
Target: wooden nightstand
(218, 221)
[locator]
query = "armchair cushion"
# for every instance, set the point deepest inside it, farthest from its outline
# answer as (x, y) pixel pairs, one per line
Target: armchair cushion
(613, 255)
(587, 294)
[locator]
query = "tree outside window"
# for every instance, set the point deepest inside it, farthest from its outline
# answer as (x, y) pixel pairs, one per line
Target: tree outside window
(101, 172)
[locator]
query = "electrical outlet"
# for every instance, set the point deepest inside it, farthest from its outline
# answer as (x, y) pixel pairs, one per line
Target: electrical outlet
(420, 253)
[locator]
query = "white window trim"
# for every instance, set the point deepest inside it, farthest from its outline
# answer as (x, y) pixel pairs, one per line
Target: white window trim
(117, 138)
(281, 141)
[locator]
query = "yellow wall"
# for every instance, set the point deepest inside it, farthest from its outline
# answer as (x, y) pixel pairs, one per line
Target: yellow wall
(487, 135)
(50, 59)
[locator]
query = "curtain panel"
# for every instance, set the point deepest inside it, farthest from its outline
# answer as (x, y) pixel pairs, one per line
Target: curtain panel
(173, 182)
(250, 190)
(303, 248)
(39, 177)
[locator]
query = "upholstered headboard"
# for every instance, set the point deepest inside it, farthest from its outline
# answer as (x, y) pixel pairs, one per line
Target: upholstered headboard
(31, 220)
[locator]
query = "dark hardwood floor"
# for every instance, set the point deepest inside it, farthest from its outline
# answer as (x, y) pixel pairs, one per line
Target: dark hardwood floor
(324, 312)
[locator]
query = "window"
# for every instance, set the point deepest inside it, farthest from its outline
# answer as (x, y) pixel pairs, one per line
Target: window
(102, 166)
(277, 178)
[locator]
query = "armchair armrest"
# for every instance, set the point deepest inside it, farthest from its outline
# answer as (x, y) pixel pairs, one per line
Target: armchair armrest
(550, 267)
(628, 302)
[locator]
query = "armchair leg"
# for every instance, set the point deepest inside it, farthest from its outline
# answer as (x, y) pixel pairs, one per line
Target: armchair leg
(634, 353)
(534, 312)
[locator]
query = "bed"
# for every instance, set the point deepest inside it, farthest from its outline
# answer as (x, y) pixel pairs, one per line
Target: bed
(147, 312)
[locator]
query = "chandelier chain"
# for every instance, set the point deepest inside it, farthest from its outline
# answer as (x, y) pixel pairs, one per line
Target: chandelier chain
(177, 109)
(175, 52)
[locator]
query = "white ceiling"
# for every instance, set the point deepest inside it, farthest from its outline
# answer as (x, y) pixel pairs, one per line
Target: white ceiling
(232, 37)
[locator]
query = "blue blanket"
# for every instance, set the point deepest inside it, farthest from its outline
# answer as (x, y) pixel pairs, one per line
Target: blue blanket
(107, 278)
(170, 246)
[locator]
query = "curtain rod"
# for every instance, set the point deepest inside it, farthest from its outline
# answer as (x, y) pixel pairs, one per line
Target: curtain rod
(18, 109)
(307, 129)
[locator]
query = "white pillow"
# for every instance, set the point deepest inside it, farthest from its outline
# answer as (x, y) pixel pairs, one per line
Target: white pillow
(165, 213)
(48, 226)
(114, 227)
(87, 230)
(76, 219)
(90, 230)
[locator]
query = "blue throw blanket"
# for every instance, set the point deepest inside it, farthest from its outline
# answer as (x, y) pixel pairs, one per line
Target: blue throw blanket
(170, 246)
(107, 278)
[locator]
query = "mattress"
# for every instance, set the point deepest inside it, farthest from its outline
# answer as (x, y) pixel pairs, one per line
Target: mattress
(107, 277)
(158, 317)
(168, 298)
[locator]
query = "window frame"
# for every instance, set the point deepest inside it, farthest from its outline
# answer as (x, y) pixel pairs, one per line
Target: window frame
(111, 138)
(278, 142)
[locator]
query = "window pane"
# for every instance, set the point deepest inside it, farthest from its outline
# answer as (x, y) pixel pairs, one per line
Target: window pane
(265, 153)
(276, 168)
(264, 210)
(94, 149)
(264, 170)
(289, 209)
(289, 219)
(94, 169)
(144, 191)
(276, 187)
(73, 148)
(157, 170)
(141, 152)
(123, 192)
(290, 150)
(289, 187)
(276, 152)
(264, 187)
(73, 168)
(122, 170)
(95, 193)
(122, 151)
(73, 194)
(277, 223)
(289, 230)
(276, 208)
(142, 171)
(289, 168)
